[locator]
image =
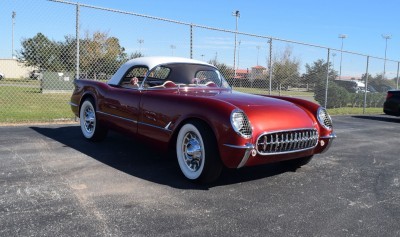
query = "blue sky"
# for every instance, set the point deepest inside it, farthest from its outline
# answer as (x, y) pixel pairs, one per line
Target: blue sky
(313, 22)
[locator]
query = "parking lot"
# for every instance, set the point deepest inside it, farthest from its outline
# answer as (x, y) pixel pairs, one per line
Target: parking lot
(54, 183)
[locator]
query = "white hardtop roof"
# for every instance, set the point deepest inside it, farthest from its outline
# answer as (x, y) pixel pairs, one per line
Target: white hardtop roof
(150, 62)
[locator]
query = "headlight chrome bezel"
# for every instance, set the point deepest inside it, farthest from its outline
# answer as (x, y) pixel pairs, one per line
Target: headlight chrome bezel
(241, 124)
(324, 118)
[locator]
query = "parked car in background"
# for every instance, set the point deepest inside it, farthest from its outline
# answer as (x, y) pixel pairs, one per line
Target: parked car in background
(1, 76)
(351, 86)
(392, 103)
(36, 75)
(187, 106)
(383, 88)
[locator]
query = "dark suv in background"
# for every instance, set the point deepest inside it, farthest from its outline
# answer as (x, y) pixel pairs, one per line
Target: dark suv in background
(392, 103)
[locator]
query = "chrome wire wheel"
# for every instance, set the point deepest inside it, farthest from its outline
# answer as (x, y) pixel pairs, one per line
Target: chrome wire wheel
(190, 151)
(88, 119)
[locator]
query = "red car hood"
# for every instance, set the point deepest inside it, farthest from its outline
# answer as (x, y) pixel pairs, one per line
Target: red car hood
(269, 114)
(264, 113)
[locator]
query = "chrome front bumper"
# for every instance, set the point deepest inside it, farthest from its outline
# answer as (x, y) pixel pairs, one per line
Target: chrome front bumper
(249, 149)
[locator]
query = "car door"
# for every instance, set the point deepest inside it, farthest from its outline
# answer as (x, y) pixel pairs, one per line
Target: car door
(121, 102)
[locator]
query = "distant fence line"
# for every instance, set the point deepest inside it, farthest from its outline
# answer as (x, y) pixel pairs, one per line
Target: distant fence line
(278, 74)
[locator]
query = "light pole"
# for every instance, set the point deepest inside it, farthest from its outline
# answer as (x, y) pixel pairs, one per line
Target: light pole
(237, 66)
(333, 61)
(172, 48)
(237, 15)
(342, 36)
(258, 52)
(386, 37)
(12, 36)
(140, 41)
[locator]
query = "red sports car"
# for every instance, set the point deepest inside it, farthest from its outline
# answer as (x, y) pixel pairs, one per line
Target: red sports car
(186, 105)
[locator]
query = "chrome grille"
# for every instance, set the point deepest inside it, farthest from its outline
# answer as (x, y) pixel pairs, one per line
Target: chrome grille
(281, 142)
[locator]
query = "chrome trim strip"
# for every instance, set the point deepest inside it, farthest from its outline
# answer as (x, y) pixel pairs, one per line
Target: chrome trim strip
(136, 122)
(290, 130)
(73, 104)
(116, 116)
(154, 126)
(167, 127)
(330, 136)
(249, 147)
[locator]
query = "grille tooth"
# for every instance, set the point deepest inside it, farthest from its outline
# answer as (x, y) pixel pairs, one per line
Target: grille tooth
(287, 141)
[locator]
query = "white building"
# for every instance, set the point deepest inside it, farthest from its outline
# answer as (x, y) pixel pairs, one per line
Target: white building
(11, 68)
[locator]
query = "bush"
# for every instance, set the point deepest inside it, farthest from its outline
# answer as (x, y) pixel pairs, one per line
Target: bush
(356, 99)
(337, 96)
(375, 99)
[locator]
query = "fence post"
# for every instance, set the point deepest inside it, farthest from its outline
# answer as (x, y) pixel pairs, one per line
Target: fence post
(270, 65)
(327, 78)
(77, 40)
(366, 84)
(191, 41)
(397, 80)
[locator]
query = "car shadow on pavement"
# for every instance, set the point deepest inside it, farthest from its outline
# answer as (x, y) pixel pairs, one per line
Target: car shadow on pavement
(134, 158)
(383, 118)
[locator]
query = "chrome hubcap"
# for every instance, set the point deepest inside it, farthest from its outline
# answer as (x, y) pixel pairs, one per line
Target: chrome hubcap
(193, 152)
(90, 119)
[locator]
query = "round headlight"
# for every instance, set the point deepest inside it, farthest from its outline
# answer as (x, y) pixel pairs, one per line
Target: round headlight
(237, 120)
(324, 118)
(241, 124)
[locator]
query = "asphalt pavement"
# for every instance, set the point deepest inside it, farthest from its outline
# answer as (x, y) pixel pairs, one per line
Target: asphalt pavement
(54, 183)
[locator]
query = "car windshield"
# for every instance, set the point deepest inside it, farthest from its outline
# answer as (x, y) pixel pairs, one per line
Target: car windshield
(184, 75)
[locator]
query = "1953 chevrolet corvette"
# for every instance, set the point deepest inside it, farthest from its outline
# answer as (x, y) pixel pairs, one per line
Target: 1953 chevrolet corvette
(187, 106)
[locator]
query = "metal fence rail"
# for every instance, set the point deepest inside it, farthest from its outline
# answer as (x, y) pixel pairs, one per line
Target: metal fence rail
(37, 84)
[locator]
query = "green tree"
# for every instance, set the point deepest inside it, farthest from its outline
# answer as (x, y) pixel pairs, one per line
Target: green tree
(285, 69)
(41, 52)
(99, 54)
(225, 70)
(316, 73)
(136, 54)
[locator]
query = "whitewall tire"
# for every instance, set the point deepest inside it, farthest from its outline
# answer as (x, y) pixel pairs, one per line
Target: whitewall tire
(90, 126)
(197, 153)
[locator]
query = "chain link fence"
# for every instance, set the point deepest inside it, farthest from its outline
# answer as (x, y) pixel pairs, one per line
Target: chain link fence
(37, 80)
